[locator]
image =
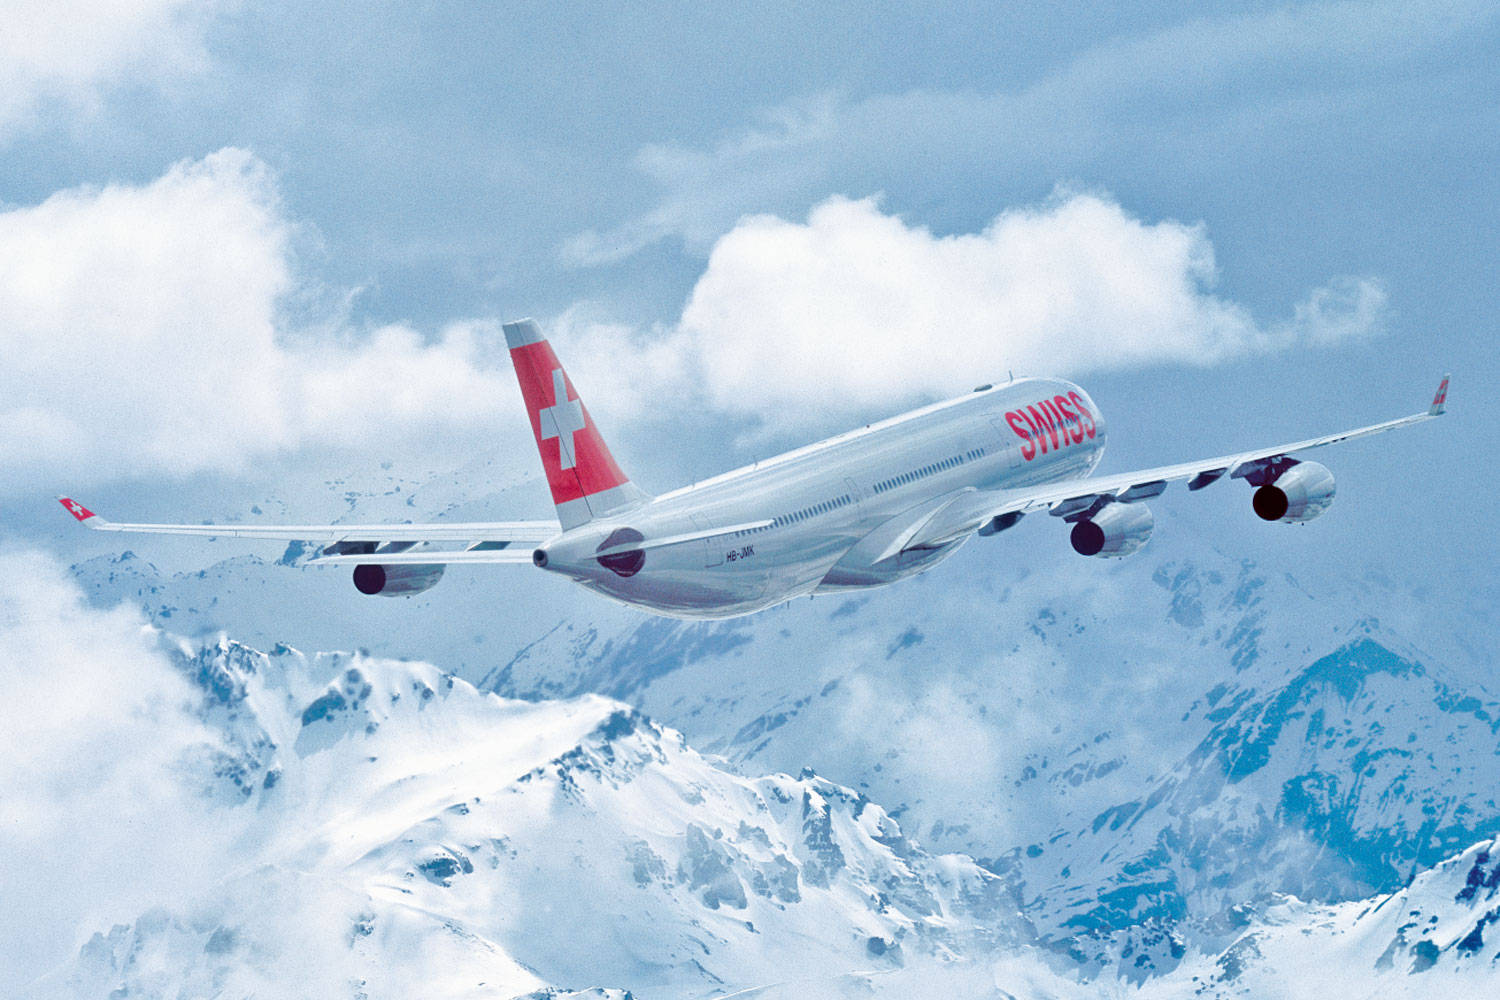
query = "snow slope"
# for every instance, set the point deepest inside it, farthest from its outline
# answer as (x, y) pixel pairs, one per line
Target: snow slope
(1436, 936)
(402, 833)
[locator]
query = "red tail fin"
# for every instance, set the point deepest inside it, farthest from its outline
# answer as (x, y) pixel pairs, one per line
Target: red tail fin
(584, 478)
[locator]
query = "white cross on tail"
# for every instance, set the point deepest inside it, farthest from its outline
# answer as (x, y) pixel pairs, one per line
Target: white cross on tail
(564, 416)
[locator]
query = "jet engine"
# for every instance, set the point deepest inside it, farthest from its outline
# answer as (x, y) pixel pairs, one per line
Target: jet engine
(1299, 493)
(396, 581)
(1116, 530)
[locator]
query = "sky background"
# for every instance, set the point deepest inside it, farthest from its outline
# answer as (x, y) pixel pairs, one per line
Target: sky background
(251, 249)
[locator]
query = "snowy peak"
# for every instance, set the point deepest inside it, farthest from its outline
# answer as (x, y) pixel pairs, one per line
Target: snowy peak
(385, 808)
(653, 835)
(1346, 778)
(1435, 935)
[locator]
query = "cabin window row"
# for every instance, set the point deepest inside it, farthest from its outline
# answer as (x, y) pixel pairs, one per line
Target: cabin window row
(927, 470)
(813, 511)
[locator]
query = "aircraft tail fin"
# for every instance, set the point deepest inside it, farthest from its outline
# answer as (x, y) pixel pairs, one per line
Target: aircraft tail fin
(585, 480)
(1440, 401)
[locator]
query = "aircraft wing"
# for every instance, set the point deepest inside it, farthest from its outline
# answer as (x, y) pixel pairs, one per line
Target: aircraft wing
(971, 509)
(492, 555)
(480, 541)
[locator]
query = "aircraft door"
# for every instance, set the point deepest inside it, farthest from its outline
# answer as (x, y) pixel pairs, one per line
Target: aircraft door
(713, 548)
(1009, 441)
(855, 493)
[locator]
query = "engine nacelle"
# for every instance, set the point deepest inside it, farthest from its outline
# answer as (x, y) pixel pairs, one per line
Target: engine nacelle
(396, 581)
(1300, 493)
(1115, 531)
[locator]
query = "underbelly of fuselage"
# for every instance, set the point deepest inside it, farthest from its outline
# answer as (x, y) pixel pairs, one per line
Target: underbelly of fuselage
(680, 589)
(695, 595)
(730, 592)
(845, 575)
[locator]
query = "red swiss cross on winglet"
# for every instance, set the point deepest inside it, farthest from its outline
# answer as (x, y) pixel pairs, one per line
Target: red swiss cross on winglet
(75, 508)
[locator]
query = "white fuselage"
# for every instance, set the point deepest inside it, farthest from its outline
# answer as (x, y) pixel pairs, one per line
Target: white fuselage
(835, 506)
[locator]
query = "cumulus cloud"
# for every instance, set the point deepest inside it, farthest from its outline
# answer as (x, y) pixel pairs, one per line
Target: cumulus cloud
(69, 50)
(97, 751)
(856, 311)
(144, 333)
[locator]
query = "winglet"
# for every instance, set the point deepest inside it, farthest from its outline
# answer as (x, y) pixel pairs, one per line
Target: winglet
(78, 510)
(1440, 401)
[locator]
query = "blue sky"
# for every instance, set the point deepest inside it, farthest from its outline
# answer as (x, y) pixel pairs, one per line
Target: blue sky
(430, 165)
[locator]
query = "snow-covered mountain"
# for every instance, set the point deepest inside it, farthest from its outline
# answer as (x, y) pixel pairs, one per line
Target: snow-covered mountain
(1436, 936)
(1348, 778)
(1143, 752)
(400, 833)
(1213, 753)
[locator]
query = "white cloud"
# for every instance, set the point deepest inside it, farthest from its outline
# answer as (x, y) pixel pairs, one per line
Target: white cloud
(95, 740)
(965, 750)
(145, 332)
(855, 311)
(143, 335)
(68, 50)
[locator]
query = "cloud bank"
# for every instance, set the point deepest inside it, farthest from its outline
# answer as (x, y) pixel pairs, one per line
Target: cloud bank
(97, 747)
(147, 330)
(144, 334)
(857, 312)
(70, 50)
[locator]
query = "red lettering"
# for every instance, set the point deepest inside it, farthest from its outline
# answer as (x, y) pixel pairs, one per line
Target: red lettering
(1057, 422)
(1043, 422)
(1028, 447)
(1072, 426)
(1083, 411)
(1036, 430)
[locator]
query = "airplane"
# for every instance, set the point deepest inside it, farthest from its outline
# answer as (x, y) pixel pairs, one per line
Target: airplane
(863, 509)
